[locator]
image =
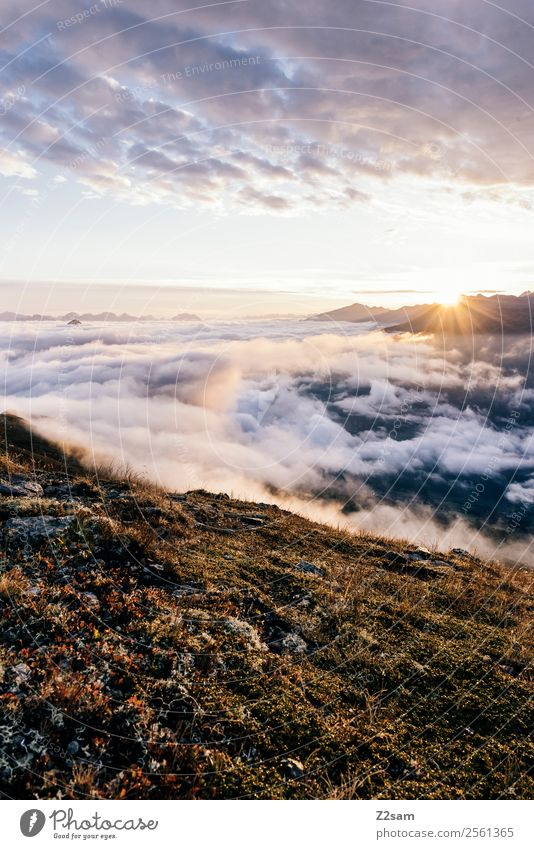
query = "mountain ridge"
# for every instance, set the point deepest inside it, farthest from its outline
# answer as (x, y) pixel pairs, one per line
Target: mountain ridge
(497, 313)
(102, 316)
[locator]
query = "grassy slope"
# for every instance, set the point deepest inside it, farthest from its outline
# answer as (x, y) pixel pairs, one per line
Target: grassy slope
(222, 671)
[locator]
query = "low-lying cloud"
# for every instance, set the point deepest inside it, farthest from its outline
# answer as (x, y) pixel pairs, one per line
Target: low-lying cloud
(347, 425)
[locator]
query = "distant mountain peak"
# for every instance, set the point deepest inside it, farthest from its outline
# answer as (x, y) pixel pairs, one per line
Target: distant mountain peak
(79, 318)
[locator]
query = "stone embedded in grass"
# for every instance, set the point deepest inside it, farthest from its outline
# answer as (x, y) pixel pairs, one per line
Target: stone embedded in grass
(253, 641)
(34, 530)
(394, 557)
(186, 589)
(19, 486)
(461, 552)
(22, 672)
(308, 568)
(293, 644)
(293, 768)
(255, 521)
(420, 554)
(91, 600)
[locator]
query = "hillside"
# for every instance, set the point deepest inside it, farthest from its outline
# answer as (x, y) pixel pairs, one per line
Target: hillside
(194, 646)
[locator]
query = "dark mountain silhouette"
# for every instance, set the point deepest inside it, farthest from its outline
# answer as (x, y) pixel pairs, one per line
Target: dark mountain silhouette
(474, 314)
(506, 314)
(357, 313)
(352, 313)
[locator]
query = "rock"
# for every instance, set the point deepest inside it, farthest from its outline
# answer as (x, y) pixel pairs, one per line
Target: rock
(293, 768)
(294, 644)
(305, 601)
(157, 512)
(252, 639)
(392, 561)
(308, 568)
(91, 600)
(20, 487)
(34, 530)
(461, 552)
(245, 519)
(186, 589)
(215, 529)
(22, 672)
(420, 554)
(394, 557)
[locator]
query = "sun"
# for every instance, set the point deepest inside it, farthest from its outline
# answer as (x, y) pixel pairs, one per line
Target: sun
(449, 299)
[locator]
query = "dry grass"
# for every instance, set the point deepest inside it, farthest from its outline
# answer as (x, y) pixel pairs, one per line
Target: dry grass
(175, 648)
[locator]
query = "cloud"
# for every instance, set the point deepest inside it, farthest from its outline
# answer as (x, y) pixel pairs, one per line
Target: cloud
(373, 431)
(354, 93)
(12, 165)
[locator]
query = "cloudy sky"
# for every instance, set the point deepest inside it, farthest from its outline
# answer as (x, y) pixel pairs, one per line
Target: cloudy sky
(332, 151)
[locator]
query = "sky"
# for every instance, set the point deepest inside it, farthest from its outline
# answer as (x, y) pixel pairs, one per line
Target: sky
(251, 157)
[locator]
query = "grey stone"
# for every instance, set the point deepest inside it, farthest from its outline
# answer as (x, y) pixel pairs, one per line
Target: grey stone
(294, 644)
(309, 568)
(91, 600)
(255, 521)
(21, 487)
(22, 672)
(247, 632)
(37, 529)
(186, 589)
(420, 554)
(461, 552)
(293, 767)
(394, 557)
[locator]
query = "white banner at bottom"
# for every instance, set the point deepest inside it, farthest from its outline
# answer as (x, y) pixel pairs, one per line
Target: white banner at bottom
(273, 825)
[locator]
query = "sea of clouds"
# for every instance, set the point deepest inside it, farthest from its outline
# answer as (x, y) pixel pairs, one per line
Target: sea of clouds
(342, 423)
